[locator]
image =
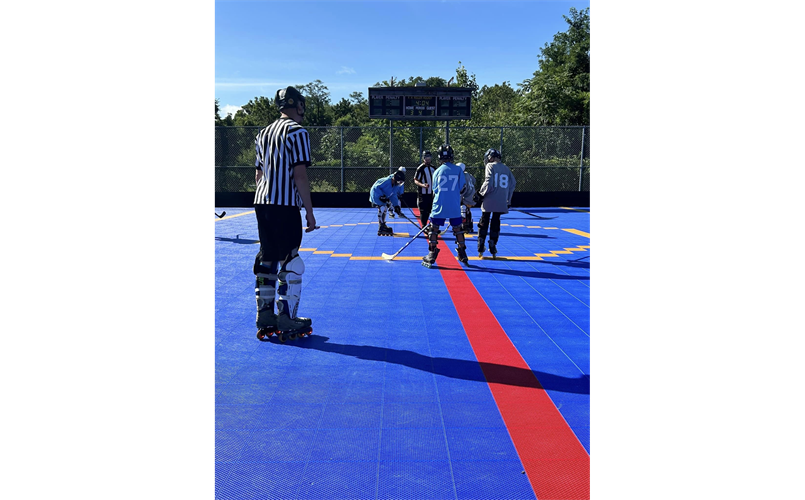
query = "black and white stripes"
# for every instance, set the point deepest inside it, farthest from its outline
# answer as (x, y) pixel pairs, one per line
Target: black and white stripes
(280, 147)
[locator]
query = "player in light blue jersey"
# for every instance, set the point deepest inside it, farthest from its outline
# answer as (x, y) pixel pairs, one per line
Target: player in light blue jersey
(385, 195)
(448, 188)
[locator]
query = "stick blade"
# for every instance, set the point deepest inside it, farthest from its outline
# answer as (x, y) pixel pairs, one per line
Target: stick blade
(389, 256)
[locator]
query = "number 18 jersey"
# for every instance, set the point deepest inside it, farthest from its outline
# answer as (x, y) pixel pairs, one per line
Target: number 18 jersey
(448, 181)
(498, 188)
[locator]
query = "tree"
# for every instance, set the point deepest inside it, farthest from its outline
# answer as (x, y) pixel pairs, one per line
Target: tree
(217, 116)
(495, 106)
(259, 112)
(317, 103)
(559, 92)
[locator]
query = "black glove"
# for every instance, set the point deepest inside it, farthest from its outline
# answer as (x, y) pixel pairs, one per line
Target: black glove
(384, 198)
(398, 210)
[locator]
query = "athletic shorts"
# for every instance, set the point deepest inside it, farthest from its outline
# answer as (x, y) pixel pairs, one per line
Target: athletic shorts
(280, 229)
(439, 221)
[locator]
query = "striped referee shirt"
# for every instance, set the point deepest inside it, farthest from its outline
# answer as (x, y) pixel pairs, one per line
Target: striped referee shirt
(424, 174)
(280, 147)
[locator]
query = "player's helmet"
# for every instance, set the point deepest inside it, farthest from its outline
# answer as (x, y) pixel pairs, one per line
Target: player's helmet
(426, 154)
(491, 153)
(288, 97)
(445, 152)
(399, 175)
(463, 167)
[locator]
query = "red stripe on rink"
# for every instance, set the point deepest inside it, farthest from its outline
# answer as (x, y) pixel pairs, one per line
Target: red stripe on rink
(557, 464)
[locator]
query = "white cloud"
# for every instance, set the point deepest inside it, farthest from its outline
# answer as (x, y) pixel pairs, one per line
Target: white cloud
(227, 109)
(344, 69)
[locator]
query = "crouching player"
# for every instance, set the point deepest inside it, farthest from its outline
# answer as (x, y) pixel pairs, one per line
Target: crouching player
(385, 195)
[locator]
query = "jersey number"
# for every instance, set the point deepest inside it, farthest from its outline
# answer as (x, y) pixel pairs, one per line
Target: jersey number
(443, 180)
(504, 180)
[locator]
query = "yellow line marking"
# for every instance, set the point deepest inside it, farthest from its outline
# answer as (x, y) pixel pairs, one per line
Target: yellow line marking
(307, 249)
(341, 255)
(364, 223)
(533, 227)
(232, 216)
(401, 234)
(365, 258)
(575, 210)
(322, 251)
(336, 225)
(350, 224)
(575, 231)
(551, 228)
(517, 225)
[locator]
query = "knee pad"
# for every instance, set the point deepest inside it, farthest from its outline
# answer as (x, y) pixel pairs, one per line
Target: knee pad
(294, 266)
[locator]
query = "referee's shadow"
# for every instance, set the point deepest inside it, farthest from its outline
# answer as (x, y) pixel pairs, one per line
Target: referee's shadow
(454, 368)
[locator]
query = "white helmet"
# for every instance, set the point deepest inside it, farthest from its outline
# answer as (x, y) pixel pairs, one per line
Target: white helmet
(463, 167)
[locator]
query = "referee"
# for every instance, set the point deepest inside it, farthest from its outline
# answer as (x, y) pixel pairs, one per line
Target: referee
(283, 155)
(423, 178)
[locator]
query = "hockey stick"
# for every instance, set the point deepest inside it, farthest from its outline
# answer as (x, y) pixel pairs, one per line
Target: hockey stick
(222, 214)
(391, 257)
(532, 215)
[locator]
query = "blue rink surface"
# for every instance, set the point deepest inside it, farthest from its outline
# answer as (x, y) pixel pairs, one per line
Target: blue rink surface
(386, 399)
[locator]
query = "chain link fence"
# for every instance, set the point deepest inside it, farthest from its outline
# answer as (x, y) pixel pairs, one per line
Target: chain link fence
(351, 159)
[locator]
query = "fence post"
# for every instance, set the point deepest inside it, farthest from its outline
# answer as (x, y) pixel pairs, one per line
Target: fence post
(391, 146)
(342, 159)
(581, 160)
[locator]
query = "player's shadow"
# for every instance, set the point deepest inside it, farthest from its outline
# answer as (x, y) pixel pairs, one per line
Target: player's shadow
(492, 373)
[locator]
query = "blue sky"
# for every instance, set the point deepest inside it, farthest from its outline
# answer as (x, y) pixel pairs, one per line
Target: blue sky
(261, 46)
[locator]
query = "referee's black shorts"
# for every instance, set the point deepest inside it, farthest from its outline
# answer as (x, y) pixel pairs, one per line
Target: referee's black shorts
(280, 229)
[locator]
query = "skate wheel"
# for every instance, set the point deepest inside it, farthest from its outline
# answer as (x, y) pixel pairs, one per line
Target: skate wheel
(264, 333)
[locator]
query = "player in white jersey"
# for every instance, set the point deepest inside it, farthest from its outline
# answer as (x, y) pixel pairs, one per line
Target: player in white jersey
(495, 198)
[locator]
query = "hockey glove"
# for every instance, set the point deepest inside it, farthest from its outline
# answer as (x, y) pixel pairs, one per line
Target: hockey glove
(398, 210)
(384, 198)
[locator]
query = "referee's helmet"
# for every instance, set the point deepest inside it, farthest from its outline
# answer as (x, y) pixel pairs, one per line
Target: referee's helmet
(288, 97)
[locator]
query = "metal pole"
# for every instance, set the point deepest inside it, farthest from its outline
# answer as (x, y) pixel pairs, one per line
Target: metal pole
(581, 160)
(391, 146)
(342, 159)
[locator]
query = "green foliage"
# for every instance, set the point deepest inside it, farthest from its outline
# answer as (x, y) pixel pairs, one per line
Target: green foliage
(559, 92)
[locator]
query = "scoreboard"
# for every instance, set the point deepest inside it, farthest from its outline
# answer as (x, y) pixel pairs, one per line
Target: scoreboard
(420, 103)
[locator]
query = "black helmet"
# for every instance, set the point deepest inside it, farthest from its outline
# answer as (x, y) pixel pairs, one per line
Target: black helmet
(288, 97)
(491, 153)
(445, 152)
(399, 175)
(426, 153)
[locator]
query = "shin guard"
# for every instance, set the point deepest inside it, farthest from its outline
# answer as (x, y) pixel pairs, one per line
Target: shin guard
(290, 285)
